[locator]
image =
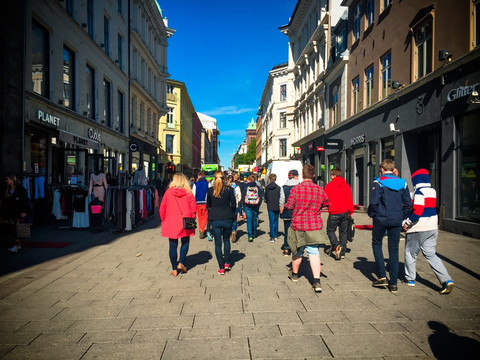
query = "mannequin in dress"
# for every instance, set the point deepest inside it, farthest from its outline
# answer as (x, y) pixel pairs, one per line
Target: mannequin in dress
(98, 185)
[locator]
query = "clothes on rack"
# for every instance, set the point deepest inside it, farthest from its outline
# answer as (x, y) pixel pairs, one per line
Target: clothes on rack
(80, 215)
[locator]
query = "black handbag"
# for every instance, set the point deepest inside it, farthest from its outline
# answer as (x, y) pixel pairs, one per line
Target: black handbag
(23, 230)
(189, 223)
(351, 229)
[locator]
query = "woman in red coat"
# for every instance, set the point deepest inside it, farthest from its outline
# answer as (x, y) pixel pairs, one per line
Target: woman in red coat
(178, 202)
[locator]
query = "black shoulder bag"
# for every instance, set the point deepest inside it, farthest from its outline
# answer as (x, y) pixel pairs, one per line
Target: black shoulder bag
(189, 223)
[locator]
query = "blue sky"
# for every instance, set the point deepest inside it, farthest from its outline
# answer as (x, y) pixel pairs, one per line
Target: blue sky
(223, 50)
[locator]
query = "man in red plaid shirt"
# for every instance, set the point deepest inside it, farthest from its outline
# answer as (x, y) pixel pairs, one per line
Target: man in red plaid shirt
(306, 200)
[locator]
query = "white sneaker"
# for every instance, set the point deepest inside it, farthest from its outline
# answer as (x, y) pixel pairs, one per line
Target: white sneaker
(272, 240)
(15, 249)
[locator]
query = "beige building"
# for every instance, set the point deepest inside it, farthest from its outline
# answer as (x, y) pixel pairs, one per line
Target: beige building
(148, 72)
(176, 128)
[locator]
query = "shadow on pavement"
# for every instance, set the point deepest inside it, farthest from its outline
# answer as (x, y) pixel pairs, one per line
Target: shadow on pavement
(447, 345)
(199, 258)
(367, 268)
(460, 267)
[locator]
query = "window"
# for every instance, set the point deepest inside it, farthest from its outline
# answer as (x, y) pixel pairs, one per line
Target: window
(335, 112)
(283, 120)
(283, 92)
(68, 78)
(107, 112)
(134, 112)
(106, 35)
(370, 12)
(169, 143)
(369, 86)
(386, 3)
(140, 125)
(423, 41)
(90, 18)
(282, 148)
(120, 51)
(355, 97)
(170, 89)
(170, 121)
(148, 121)
(90, 75)
(69, 7)
(40, 63)
(356, 22)
(121, 116)
(120, 7)
(386, 75)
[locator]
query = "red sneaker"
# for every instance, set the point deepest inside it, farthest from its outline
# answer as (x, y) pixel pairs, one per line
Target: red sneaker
(221, 271)
(227, 267)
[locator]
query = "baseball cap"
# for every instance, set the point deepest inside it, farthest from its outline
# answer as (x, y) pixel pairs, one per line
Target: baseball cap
(292, 173)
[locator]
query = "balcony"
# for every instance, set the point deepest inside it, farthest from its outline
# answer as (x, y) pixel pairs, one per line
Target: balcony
(171, 97)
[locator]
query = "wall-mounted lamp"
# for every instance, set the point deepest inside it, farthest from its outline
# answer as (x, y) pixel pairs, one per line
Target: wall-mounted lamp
(260, 109)
(392, 128)
(444, 55)
(396, 84)
(473, 98)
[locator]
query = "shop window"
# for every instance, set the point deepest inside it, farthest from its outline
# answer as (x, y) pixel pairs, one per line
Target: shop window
(469, 176)
(40, 60)
(388, 148)
(68, 78)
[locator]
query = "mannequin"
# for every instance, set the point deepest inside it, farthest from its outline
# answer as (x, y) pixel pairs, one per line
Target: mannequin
(98, 185)
(139, 177)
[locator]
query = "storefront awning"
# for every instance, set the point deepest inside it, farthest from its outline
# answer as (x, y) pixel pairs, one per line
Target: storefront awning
(77, 140)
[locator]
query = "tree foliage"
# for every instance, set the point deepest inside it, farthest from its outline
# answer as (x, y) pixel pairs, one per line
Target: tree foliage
(248, 158)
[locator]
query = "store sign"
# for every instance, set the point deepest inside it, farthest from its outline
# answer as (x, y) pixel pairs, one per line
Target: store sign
(357, 140)
(320, 148)
(297, 150)
(133, 147)
(77, 140)
(48, 118)
(333, 143)
(462, 91)
(94, 134)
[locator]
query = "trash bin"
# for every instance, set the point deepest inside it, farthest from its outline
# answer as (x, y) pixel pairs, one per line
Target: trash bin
(96, 215)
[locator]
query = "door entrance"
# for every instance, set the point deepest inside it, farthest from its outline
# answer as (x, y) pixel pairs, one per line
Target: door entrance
(359, 181)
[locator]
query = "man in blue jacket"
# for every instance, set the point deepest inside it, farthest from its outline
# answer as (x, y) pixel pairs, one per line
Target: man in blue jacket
(199, 190)
(389, 205)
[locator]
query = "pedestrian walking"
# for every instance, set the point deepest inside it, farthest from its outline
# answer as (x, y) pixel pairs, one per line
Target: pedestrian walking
(286, 214)
(306, 201)
(389, 205)
(177, 203)
(238, 197)
(15, 209)
(339, 211)
(272, 199)
(221, 204)
(422, 232)
(199, 190)
(251, 200)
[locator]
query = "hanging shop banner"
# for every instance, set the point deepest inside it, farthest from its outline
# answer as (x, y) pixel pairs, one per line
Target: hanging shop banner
(79, 141)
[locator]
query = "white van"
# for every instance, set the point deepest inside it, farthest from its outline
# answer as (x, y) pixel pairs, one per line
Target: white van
(281, 169)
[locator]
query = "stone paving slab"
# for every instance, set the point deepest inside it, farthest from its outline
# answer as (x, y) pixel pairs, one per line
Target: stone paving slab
(108, 303)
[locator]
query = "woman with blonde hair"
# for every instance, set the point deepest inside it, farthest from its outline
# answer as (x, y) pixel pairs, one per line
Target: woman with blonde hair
(221, 204)
(178, 202)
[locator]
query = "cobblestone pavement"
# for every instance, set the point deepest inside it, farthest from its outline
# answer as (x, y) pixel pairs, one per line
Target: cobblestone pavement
(116, 299)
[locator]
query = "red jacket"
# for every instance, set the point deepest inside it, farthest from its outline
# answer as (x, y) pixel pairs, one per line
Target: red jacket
(340, 195)
(172, 222)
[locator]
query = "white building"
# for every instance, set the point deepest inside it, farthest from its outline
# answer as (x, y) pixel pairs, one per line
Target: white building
(276, 108)
(210, 134)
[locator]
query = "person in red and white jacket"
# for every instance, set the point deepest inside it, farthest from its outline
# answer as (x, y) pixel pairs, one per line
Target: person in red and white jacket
(422, 232)
(341, 208)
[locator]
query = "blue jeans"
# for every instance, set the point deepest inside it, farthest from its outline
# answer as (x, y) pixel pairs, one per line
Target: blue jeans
(286, 225)
(183, 251)
(252, 221)
(221, 233)
(273, 220)
(235, 222)
(393, 233)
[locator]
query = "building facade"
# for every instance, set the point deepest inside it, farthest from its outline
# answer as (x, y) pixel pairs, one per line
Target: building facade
(149, 34)
(209, 139)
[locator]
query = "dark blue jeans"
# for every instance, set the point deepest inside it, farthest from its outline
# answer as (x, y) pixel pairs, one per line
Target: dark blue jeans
(273, 221)
(340, 221)
(235, 222)
(183, 251)
(252, 221)
(286, 225)
(221, 233)
(393, 233)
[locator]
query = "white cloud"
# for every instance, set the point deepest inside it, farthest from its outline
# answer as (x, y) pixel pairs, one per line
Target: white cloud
(228, 110)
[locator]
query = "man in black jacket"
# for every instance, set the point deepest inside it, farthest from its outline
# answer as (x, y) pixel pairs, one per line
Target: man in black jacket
(272, 198)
